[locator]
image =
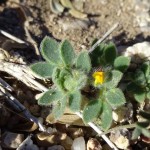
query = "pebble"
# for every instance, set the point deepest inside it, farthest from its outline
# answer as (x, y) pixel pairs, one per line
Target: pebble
(78, 144)
(27, 144)
(138, 51)
(142, 8)
(56, 147)
(12, 140)
(121, 138)
(93, 144)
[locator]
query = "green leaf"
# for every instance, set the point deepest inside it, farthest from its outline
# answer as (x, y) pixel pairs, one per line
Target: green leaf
(57, 79)
(122, 63)
(50, 96)
(146, 132)
(83, 61)
(67, 53)
(139, 78)
(42, 69)
(139, 95)
(112, 79)
(146, 68)
(92, 110)
(145, 115)
(148, 95)
(106, 117)
(132, 87)
(60, 107)
(110, 53)
(136, 133)
(143, 126)
(115, 97)
(50, 50)
(75, 101)
(96, 55)
(69, 83)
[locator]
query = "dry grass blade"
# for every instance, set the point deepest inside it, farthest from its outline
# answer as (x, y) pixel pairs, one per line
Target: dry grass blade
(104, 37)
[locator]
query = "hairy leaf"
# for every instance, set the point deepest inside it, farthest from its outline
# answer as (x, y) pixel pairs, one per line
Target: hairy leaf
(106, 117)
(67, 53)
(145, 115)
(115, 97)
(122, 63)
(112, 79)
(146, 68)
(110, 53)
(42, 69)
(83, 61)
(75, 101)
(140, 95)
(139, 78)
(96, 54)
(148, 95)
(56, 79)
(143, 126)
(92, 110)
(59, 107)
(50, 50)
(136, 133)
(50, 96)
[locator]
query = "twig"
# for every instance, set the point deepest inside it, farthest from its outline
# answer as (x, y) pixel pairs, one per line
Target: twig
(12, 37)
(104, 37)
(20, 108)
(30, 39)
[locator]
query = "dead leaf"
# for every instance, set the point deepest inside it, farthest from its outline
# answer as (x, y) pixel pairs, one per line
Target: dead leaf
(67, 118)
(77, 14)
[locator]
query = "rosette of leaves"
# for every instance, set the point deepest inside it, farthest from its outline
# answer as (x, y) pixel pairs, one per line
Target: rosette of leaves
(68, 72)
(139, 83)
(110, 96)
(142, 127)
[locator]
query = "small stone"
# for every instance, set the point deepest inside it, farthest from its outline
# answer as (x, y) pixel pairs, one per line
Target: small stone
(12, 140)
(27, 144)
(93, 144)
(121, 138)
(56, 147)
(78, 144)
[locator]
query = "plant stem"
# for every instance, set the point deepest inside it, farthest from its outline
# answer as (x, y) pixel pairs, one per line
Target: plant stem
(128, 126)
(99, 131)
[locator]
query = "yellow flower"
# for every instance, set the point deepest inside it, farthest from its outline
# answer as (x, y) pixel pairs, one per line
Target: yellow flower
(99, 77)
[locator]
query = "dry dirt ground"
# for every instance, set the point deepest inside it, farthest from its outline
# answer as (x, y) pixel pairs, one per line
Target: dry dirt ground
(102, 15)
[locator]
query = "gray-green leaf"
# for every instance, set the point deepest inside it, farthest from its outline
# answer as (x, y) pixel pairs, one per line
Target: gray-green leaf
(140, 95)
(110, 53)
(122, 63)
(67, 53)
(136, 133)
(75, 101)
(112, 79)
(83, 61)
(115, 97)
(50, 96)
(42, 69)
(106, 117)
(59, 107)
(50, 51)
(92, 110)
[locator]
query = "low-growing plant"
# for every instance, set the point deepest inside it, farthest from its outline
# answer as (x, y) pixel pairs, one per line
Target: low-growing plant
(72, 74)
